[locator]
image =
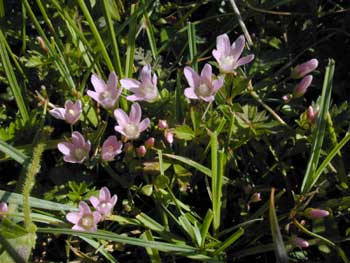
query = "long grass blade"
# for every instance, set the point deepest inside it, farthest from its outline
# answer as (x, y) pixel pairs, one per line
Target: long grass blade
(11, 78)
(319, 131)
(130, 51)
(191, 34)
(13, 152)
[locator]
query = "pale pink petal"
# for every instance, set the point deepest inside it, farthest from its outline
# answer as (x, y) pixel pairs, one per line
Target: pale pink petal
(144, 124)
(105, 195)
(84, 208)
(121, 117)
(223, 44)
(78, 139)
(191, 77)
(98, 83)
(114, 200)
(244, 60)
(130, 83)
(154, 80)
(208, 99)
(73, 217)
(78, 228)
(93, 95)
(112, 81)
(216, 55)
(217, 84)
(65, 147)
(97, 217)
(134, 97)
(237, 47)
(68, 104)
(207, 72)
(119, 129)
(135, 113)
(189, 93)
(145, 74)
(71, 159)
(58, 113)
(94, 201)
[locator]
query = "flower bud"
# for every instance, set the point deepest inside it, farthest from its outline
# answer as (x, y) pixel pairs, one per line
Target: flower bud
(128, 147)
(169, 136)
(299, 242)
(42, 44)
(314, 213)
(311, 115)
(149, 143)
(3, 209)
(141, 151)
(287, 98)
(256, 197)
(162, 124)
(301, 88)
(303, 69)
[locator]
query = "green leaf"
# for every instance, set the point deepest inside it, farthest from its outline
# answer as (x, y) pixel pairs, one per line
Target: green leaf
(13, 152)
(184, 132)
(229, 241)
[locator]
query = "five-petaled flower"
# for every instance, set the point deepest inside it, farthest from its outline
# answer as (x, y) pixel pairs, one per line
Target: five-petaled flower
(75, 151)
(105, 94)
(202, 87)
(144, 90)
(70, 113)
(104, 204)
(131, 126)
(110, 148)
(84, 220)
(228, 56)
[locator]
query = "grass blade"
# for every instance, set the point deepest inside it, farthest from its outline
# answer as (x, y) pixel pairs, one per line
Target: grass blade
(229, 241)
(191, 34)
(130, 51)
(319, 131)
(13, 152)
(113, 38)
(96, 34)
(280, 250)
(11, 77)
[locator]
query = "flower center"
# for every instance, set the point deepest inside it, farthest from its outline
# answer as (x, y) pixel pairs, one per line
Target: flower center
(203, 90)
(106, 95)
(71, 112)
(87, 221)
(132, 131)
(228, 61)
(79, 153)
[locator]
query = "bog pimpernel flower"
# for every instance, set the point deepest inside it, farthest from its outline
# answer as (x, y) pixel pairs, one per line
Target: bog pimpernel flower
(105, 94)
(131, 126)
(228, 56)
(75, 151)
(70, 113)
(202, 87)
(144, 90)
(104, 204)
(305, 68)
(110, 148)
(84, 220)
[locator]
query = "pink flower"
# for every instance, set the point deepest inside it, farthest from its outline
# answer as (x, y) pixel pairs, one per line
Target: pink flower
(299, 242)
(169, 137)
(75, 151)
(3, 209)
(146, 89)
(131, 126)
(105, 94)
(70, 113)
(256, 197)
(302, 87)
(84, 220)
(228, 56)
(303, 69)
(314, 213)
(104, 204)
(110, 148)
(202, 87)
(162, 124)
